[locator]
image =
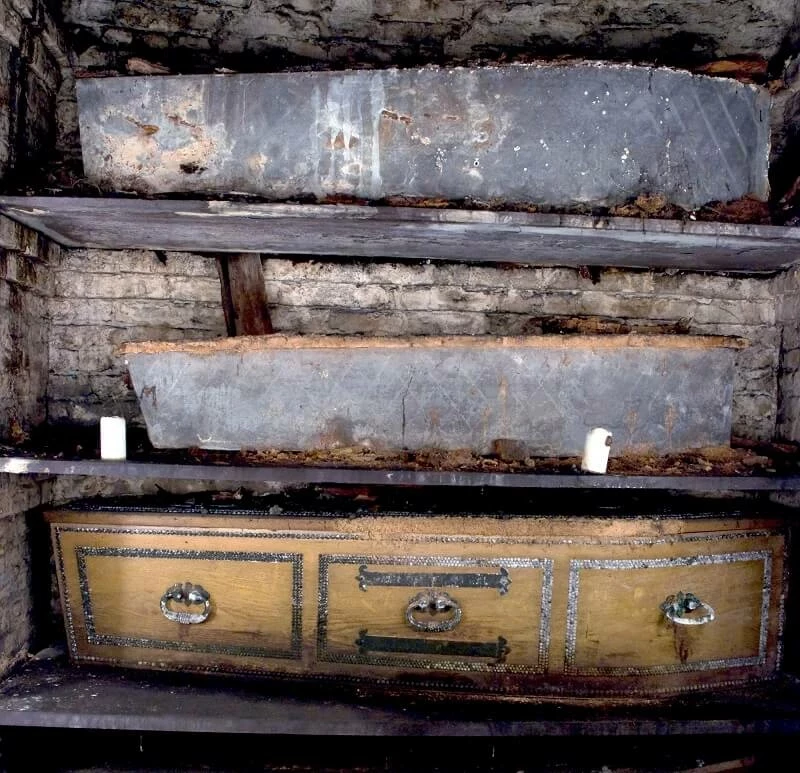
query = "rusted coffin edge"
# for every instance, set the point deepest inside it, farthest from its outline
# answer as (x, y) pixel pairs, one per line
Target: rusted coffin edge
(298, 393)
(276, 341)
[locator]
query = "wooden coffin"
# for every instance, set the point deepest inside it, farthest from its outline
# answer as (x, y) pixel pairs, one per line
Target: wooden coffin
(523, 607)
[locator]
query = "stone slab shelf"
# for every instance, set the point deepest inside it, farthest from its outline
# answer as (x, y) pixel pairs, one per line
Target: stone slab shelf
(391, 233)
(230, 474)
(51, 695)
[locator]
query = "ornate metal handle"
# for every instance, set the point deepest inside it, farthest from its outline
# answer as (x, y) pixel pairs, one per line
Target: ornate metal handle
(676, 607)
(433, 603)
(189, 595)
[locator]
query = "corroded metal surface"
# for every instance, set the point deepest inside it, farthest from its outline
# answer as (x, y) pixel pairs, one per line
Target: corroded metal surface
(557, 135)
(453, 393)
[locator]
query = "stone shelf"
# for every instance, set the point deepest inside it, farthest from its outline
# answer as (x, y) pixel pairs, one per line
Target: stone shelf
(391, 233)
(50, 694)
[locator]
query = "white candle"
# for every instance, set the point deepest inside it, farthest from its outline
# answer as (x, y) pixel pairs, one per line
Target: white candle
(596, 450)
(112, 438)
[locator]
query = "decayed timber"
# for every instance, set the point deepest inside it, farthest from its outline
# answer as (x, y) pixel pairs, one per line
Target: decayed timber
(665, 393)
(555, 135)
(406, 232)
(280, 341)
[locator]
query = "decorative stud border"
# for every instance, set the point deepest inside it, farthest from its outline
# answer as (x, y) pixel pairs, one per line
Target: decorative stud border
(188, 531)
(576, 565)
(93, 637)
(448, 664)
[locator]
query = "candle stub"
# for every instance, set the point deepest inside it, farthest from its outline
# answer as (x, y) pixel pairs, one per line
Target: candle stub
(112, 438)
(596, 450)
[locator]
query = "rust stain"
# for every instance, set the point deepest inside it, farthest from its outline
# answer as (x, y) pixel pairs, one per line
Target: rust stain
(631, 423)
(485, 418)
(339, 143)
(337, 433)
(417, 201)
(178, 121)
(486, 130)
(682, 639)
(150, 392)
(669, 423)
(154, 155)
(502, 397)
(385, 132)
(148, 129)
(393, 115)
(257, 163)
(747, 68)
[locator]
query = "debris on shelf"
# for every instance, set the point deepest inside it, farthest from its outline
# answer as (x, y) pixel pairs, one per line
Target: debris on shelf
(747, 69)
(746, 458)
(138, 66)
(703, 461)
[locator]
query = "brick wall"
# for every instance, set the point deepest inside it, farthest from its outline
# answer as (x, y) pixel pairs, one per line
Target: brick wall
(31, 59)
(787, 294)
(344, 31)
(24, 341)
(102, 299)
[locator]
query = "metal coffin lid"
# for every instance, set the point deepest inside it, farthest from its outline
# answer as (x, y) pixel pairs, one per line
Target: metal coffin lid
(659, 393)
(560, 135)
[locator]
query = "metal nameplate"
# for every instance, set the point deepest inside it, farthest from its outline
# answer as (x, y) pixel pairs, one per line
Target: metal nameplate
(496, 650)
(454, 660)
(499, 580)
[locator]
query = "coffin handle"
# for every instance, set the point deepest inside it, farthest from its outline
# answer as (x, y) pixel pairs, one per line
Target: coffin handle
(190, 595)
(433, 604)
(678, 608)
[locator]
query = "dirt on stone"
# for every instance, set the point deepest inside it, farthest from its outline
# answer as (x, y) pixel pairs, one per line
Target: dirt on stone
(703, 461)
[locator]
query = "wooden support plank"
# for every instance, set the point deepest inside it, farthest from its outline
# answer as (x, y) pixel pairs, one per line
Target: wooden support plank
(225, 292)
(17, 465)
(244, 297)
(389, 233)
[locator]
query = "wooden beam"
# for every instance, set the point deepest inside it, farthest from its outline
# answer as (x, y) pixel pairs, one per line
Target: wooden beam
(389, 233)
(244, 297)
